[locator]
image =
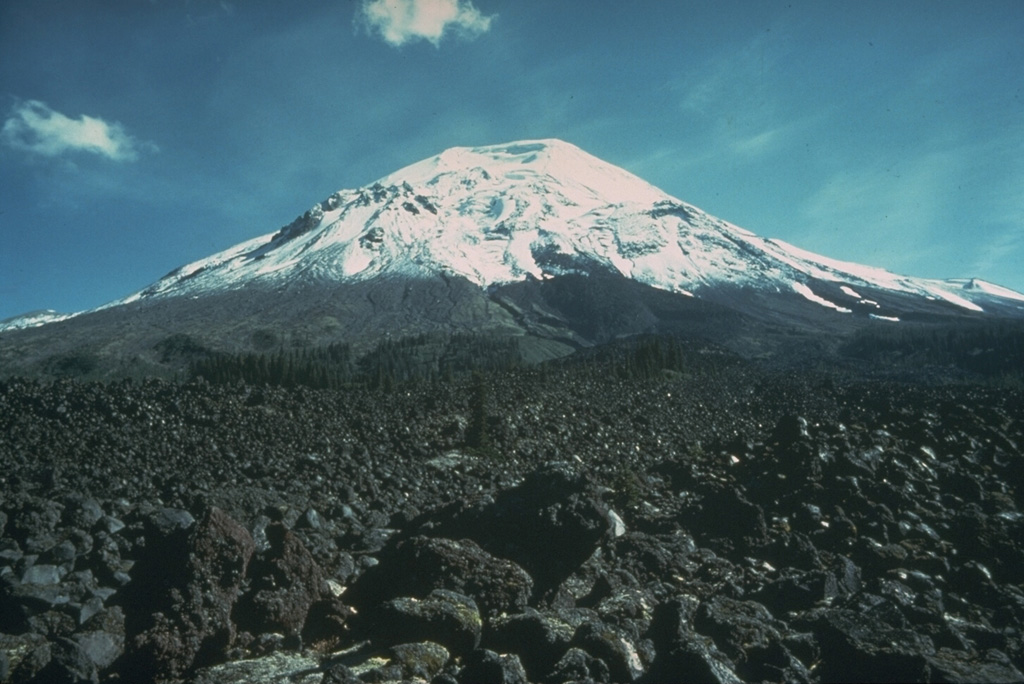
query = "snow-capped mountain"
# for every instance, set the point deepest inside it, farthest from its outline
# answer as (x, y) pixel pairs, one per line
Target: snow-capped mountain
(535, 240)
(539, 209)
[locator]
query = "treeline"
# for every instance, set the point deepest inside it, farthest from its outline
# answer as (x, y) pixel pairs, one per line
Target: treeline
(320, 367)
(645, 357)
(986, 348)
(417, 358)
(390, 363)
(650, 357)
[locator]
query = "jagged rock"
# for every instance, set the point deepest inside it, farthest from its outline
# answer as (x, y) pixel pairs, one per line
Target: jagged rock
(578, 665)
(792, 550)
(790, 429)
(553, 508)
(877, 558)
(284, 582)
(165, 524)
(270, 669)
(616, 526)
(446, 617)
(89, 609)
(25, 655)
(652, 557)
(748, 634)
(417, 566)
(611, 646)
(64, 553)
(102, 648)
(857, 647)
(682, 654)
(33, 522)
(693, 658)
(181, 613)
(19, 602)
(81, 511)
(418, 661)
(911, 572)
(42, 575)
(801, 590)
(539, 640)
(487, 667)
(111, 525)
(631, 608)
(69, 664)
(959, 667)
(310, 519)
(325, 624)
(339, 673)
(742, 529)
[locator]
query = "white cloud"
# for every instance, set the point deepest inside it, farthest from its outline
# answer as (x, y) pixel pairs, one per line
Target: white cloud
(34, 127)
(758, 143)
(401, 21)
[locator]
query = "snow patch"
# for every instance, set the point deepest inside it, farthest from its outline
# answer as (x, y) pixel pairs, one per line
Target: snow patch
(955, 299)
(807, 293)
(850, 291)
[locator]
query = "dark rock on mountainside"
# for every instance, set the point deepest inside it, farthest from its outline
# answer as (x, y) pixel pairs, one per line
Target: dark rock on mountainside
(419, 565)
(446, 617)
(554, 508)
(283, 584)
(184, 585)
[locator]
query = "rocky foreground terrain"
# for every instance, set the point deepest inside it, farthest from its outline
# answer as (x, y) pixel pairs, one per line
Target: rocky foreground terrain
(721, 525)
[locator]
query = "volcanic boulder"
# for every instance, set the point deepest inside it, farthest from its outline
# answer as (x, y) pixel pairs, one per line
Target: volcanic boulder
(183, 589)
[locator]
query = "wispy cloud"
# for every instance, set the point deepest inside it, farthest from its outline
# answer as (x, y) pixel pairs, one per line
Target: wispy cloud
(737, 82)
(738, 100)
(759, 143)
(34, 127)
(401, 21)
(997, 250)
(883, 215)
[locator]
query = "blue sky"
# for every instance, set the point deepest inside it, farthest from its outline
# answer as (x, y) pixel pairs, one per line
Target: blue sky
(137, 135)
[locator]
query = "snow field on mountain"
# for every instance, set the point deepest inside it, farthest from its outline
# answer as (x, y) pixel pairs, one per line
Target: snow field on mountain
(533, 209)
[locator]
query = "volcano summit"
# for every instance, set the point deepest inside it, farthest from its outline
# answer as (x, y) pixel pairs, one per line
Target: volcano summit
(536, 240)
(540, 209)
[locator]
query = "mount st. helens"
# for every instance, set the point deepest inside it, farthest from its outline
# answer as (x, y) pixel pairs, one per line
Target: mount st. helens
(534, 239)
(649, 509)
(508, 213)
